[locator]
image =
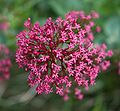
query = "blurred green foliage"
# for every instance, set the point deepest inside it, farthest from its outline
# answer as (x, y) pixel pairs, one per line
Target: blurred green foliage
(104, 96)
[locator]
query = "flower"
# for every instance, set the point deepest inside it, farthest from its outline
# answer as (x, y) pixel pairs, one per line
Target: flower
(94, 14)
(61, 54)
(5, 63)
(78, 94)
(98, 29)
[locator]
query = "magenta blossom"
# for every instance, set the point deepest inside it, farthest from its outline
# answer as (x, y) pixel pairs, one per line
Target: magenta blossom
(61, 54)
(5, 63)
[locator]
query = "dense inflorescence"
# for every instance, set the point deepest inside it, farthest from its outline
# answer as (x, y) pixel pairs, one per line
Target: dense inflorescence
(61, 55)
(5, 63)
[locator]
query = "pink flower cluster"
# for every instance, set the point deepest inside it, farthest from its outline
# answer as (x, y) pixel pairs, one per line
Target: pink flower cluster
(61, 55)
(5, 63)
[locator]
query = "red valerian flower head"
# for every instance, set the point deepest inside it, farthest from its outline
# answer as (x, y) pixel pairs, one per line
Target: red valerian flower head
(61, 54)
(5, 63)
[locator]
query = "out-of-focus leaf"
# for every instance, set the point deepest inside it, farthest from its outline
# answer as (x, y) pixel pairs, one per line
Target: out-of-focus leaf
(112, 30)
(99, 105)
(2, 38)
(57, 7)
(97, 87)
(100, 38)
(2, 88)
(63, 6)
